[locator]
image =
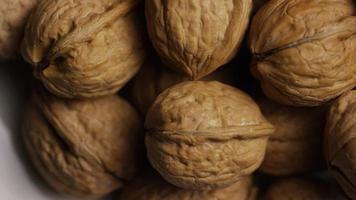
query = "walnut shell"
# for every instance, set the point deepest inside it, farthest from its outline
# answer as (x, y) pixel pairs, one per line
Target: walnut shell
(197, 37)
(154, 78)
(303, 189)
(82, 148)
(13, 15)
(84, 49)
(304, 50)
(340, 143)
(296, 145)
(154, 188)
(204, 135)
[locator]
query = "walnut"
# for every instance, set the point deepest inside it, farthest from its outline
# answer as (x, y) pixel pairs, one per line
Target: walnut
(205, 135)
(197, 37)
(303, 189)
(84, 49)
(154, 78)
(296, 145)
(340, 144)
(154, 188)
(304, 50)
(13, 15)
(83, 148)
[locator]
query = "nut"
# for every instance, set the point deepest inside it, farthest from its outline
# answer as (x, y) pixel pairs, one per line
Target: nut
(84, 50)
(295, 147)
(197, 37)
(154, 78)
(205, 135)
(304, 50)
(13, 15)
(154, 188)
(83, 148)
(340, 143)
(303, 189)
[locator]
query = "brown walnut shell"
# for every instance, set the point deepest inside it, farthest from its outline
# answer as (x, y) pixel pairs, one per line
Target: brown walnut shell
(154, 188)
(296, 145)
(303, 189)
(154, 78)
(205, 135)
(304, 50)
(340, 143)
(84, 49)
(197, 37)
(83, 148)
(13, 15)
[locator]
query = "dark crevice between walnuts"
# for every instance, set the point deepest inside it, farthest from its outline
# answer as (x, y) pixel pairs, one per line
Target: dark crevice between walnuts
(339, 171)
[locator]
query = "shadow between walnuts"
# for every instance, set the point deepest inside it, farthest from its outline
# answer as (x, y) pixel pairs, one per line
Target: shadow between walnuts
(16, 76)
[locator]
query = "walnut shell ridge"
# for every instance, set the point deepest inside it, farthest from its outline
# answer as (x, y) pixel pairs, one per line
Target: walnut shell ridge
(197, 37)
(296, 145)
(205, 135)
(303, 189)
(340, 144)
(154, 78)
(304, 50)
(84, 49)
(154, 188)
(13, 15)
(82, 148)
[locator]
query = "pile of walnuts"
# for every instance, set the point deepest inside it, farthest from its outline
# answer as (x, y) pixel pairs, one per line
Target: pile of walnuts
(190, 133)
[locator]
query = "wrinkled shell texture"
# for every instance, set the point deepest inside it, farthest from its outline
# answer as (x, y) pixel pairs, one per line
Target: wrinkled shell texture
(296, 145)
(83, 148)
(197, 37)
(157, 189)
(204, 135)
(303, 189)
(83, 49)
(340, 143)
(155, 78)
(304, 50)
(13, 15)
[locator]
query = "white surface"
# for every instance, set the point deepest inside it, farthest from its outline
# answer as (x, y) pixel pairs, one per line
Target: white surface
(18, 180)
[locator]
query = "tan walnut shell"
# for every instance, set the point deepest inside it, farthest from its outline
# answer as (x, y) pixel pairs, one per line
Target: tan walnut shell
(303, 189)
(340, 143)
(154, 188)
(83, 148)
(197, 37)
(296, 145)
(13, 16)
(304, 50)
(154, 78)
(84, 49)
(205, 135)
